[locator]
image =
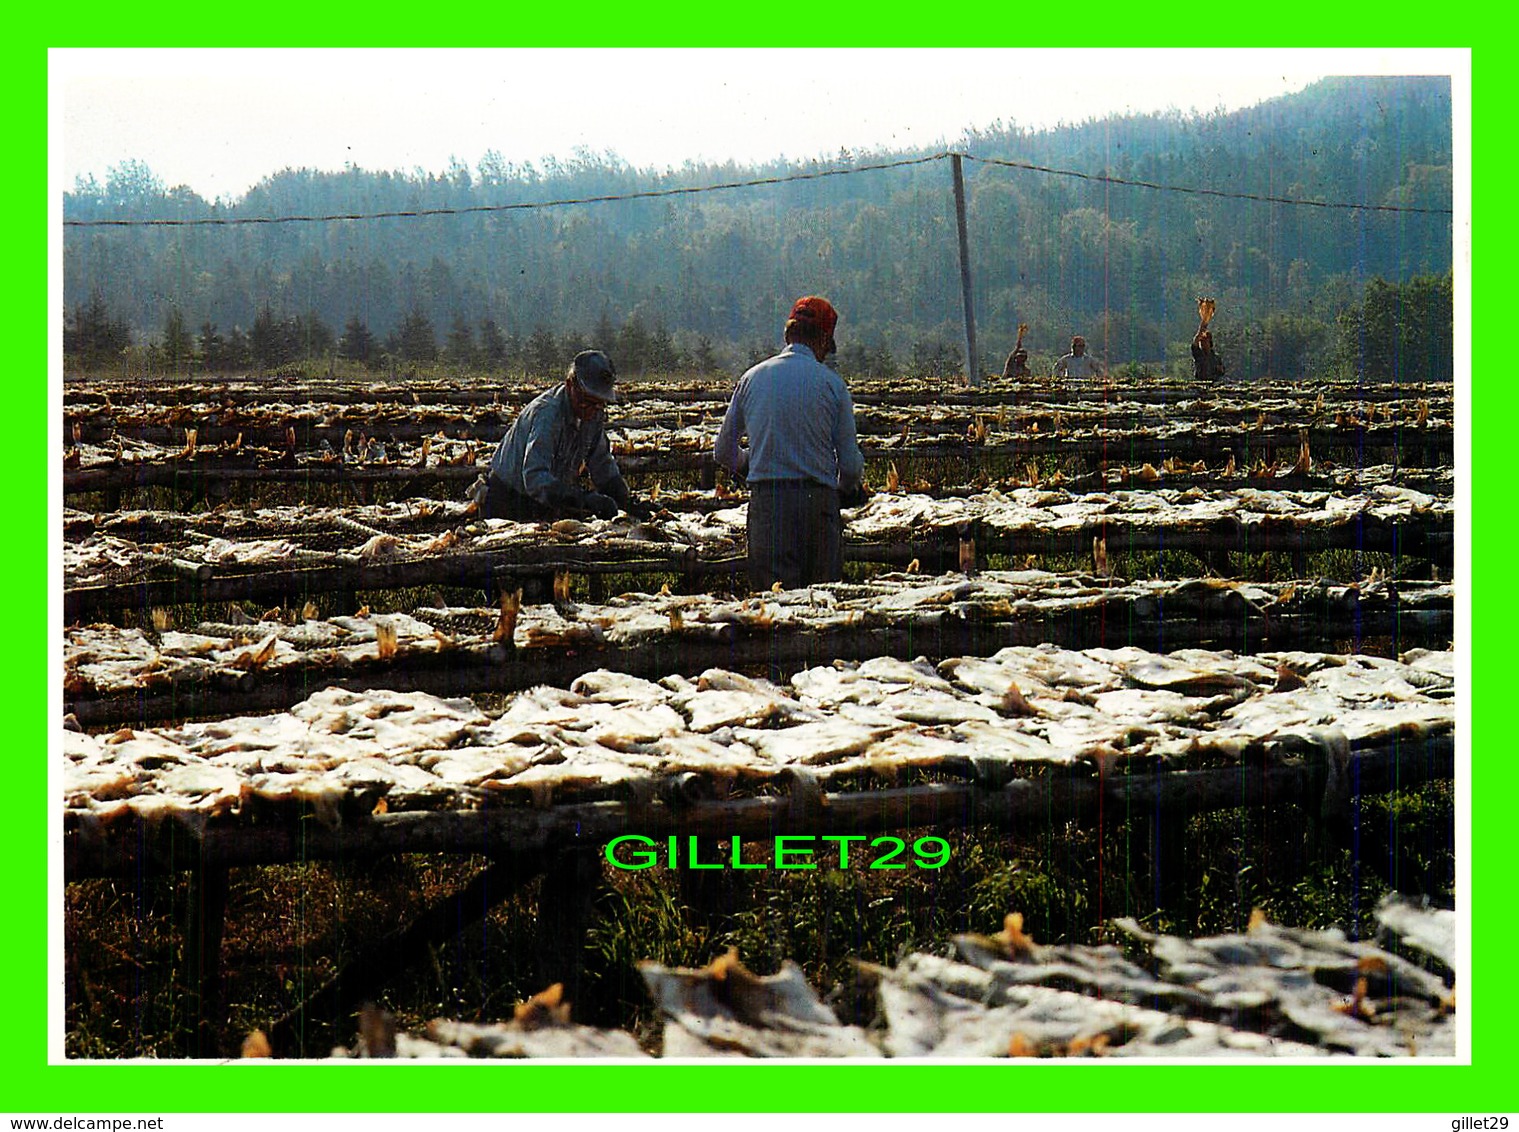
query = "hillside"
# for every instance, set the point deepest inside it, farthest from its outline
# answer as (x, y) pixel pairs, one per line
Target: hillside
(713, 271)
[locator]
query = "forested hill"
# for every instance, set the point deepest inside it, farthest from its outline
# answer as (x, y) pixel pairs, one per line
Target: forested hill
(715, 270)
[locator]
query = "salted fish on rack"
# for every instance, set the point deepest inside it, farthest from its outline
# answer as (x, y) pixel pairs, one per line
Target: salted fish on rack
(708, 710)
(822, 741)
(402, 723)
(277, 742)
(911, 746)
(622, 726)
(1059, 668)
(1434, 672)
(699, 754)
(1170, 673)
(90, 561)
(534, 715)
(829, 687)
(1151, 705)
(605, 686)
(917, 673)
(592, 767)
(487, 767)
(979, 675)
(1016, 742)
(926, 706)
(403, 785)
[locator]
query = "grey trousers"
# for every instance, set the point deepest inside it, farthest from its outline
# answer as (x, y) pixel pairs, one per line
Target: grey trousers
(795, 534)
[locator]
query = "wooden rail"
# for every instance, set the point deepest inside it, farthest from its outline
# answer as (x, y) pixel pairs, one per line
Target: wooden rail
(205, 474)
(134, 849)
(1189, 616)
(1400, 445)
(85, 394)
(1424, 537)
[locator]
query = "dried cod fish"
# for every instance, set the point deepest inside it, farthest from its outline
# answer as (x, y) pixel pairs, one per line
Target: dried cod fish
(812, 743)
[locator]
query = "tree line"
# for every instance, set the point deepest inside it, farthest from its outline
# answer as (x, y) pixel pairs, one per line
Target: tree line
(710, 275)
(1402, 331)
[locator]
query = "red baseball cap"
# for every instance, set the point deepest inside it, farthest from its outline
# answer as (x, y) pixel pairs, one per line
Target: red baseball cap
(817, 311)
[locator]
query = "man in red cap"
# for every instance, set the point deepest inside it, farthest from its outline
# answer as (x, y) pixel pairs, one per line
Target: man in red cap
(801, 457)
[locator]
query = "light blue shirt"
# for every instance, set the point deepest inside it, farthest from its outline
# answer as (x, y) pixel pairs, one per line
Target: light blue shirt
(547, 444)
(799, 418)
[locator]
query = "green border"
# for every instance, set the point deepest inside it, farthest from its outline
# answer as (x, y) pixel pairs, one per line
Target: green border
(31, 1085)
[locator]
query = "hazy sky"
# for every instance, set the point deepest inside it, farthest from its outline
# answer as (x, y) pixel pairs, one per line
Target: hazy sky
(220, 120)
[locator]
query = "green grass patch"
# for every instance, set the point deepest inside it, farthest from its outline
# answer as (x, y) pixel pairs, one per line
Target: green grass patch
(290, 927)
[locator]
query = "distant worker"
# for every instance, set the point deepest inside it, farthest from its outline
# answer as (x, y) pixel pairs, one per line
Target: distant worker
(802, 455)
(534, 474)
(1078, 363)
(1206, 365)
(1016, 365)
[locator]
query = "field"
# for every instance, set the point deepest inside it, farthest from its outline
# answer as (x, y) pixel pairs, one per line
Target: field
(1153, 654)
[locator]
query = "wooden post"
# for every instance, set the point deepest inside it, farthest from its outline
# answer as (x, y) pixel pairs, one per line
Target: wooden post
(203, 954)
(972, 362)
(565, 897)
(384, 960)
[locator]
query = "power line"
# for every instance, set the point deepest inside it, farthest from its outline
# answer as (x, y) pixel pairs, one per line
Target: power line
(521, 206)
(1204, 192)
(647, 194)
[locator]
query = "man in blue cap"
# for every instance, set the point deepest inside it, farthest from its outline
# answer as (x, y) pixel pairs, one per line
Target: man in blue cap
(802, 460)
(535, 473)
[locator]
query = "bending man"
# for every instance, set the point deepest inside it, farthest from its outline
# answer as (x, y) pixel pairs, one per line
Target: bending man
(802, 453)
(535, 472)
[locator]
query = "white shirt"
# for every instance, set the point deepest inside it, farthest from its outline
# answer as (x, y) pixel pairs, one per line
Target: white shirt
(1082, 365)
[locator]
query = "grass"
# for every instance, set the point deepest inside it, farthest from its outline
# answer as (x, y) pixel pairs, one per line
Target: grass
(290, 927)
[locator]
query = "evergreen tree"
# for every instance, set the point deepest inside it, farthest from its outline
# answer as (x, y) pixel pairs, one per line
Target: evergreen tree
(460, 348)
(661, 356)
(541, 354)
(239, 353)
(633, 351)
(213, 349)
(605, 335)
(177, 348)
(703, 358)
(357, 344)
(1400, 331)
(414, 338)
(94, 336)
(311, 337)
(493, 344)
(267, 342)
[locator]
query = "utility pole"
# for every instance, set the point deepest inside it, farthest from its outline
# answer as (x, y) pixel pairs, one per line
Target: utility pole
(972, 362)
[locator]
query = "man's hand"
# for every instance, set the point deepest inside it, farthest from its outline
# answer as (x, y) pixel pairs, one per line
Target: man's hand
(602, 506)
(855, 496)
(617, 491)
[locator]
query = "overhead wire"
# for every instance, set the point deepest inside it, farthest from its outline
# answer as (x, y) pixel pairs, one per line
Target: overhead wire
(684, 190)
(643, 194)
(1104, 178)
